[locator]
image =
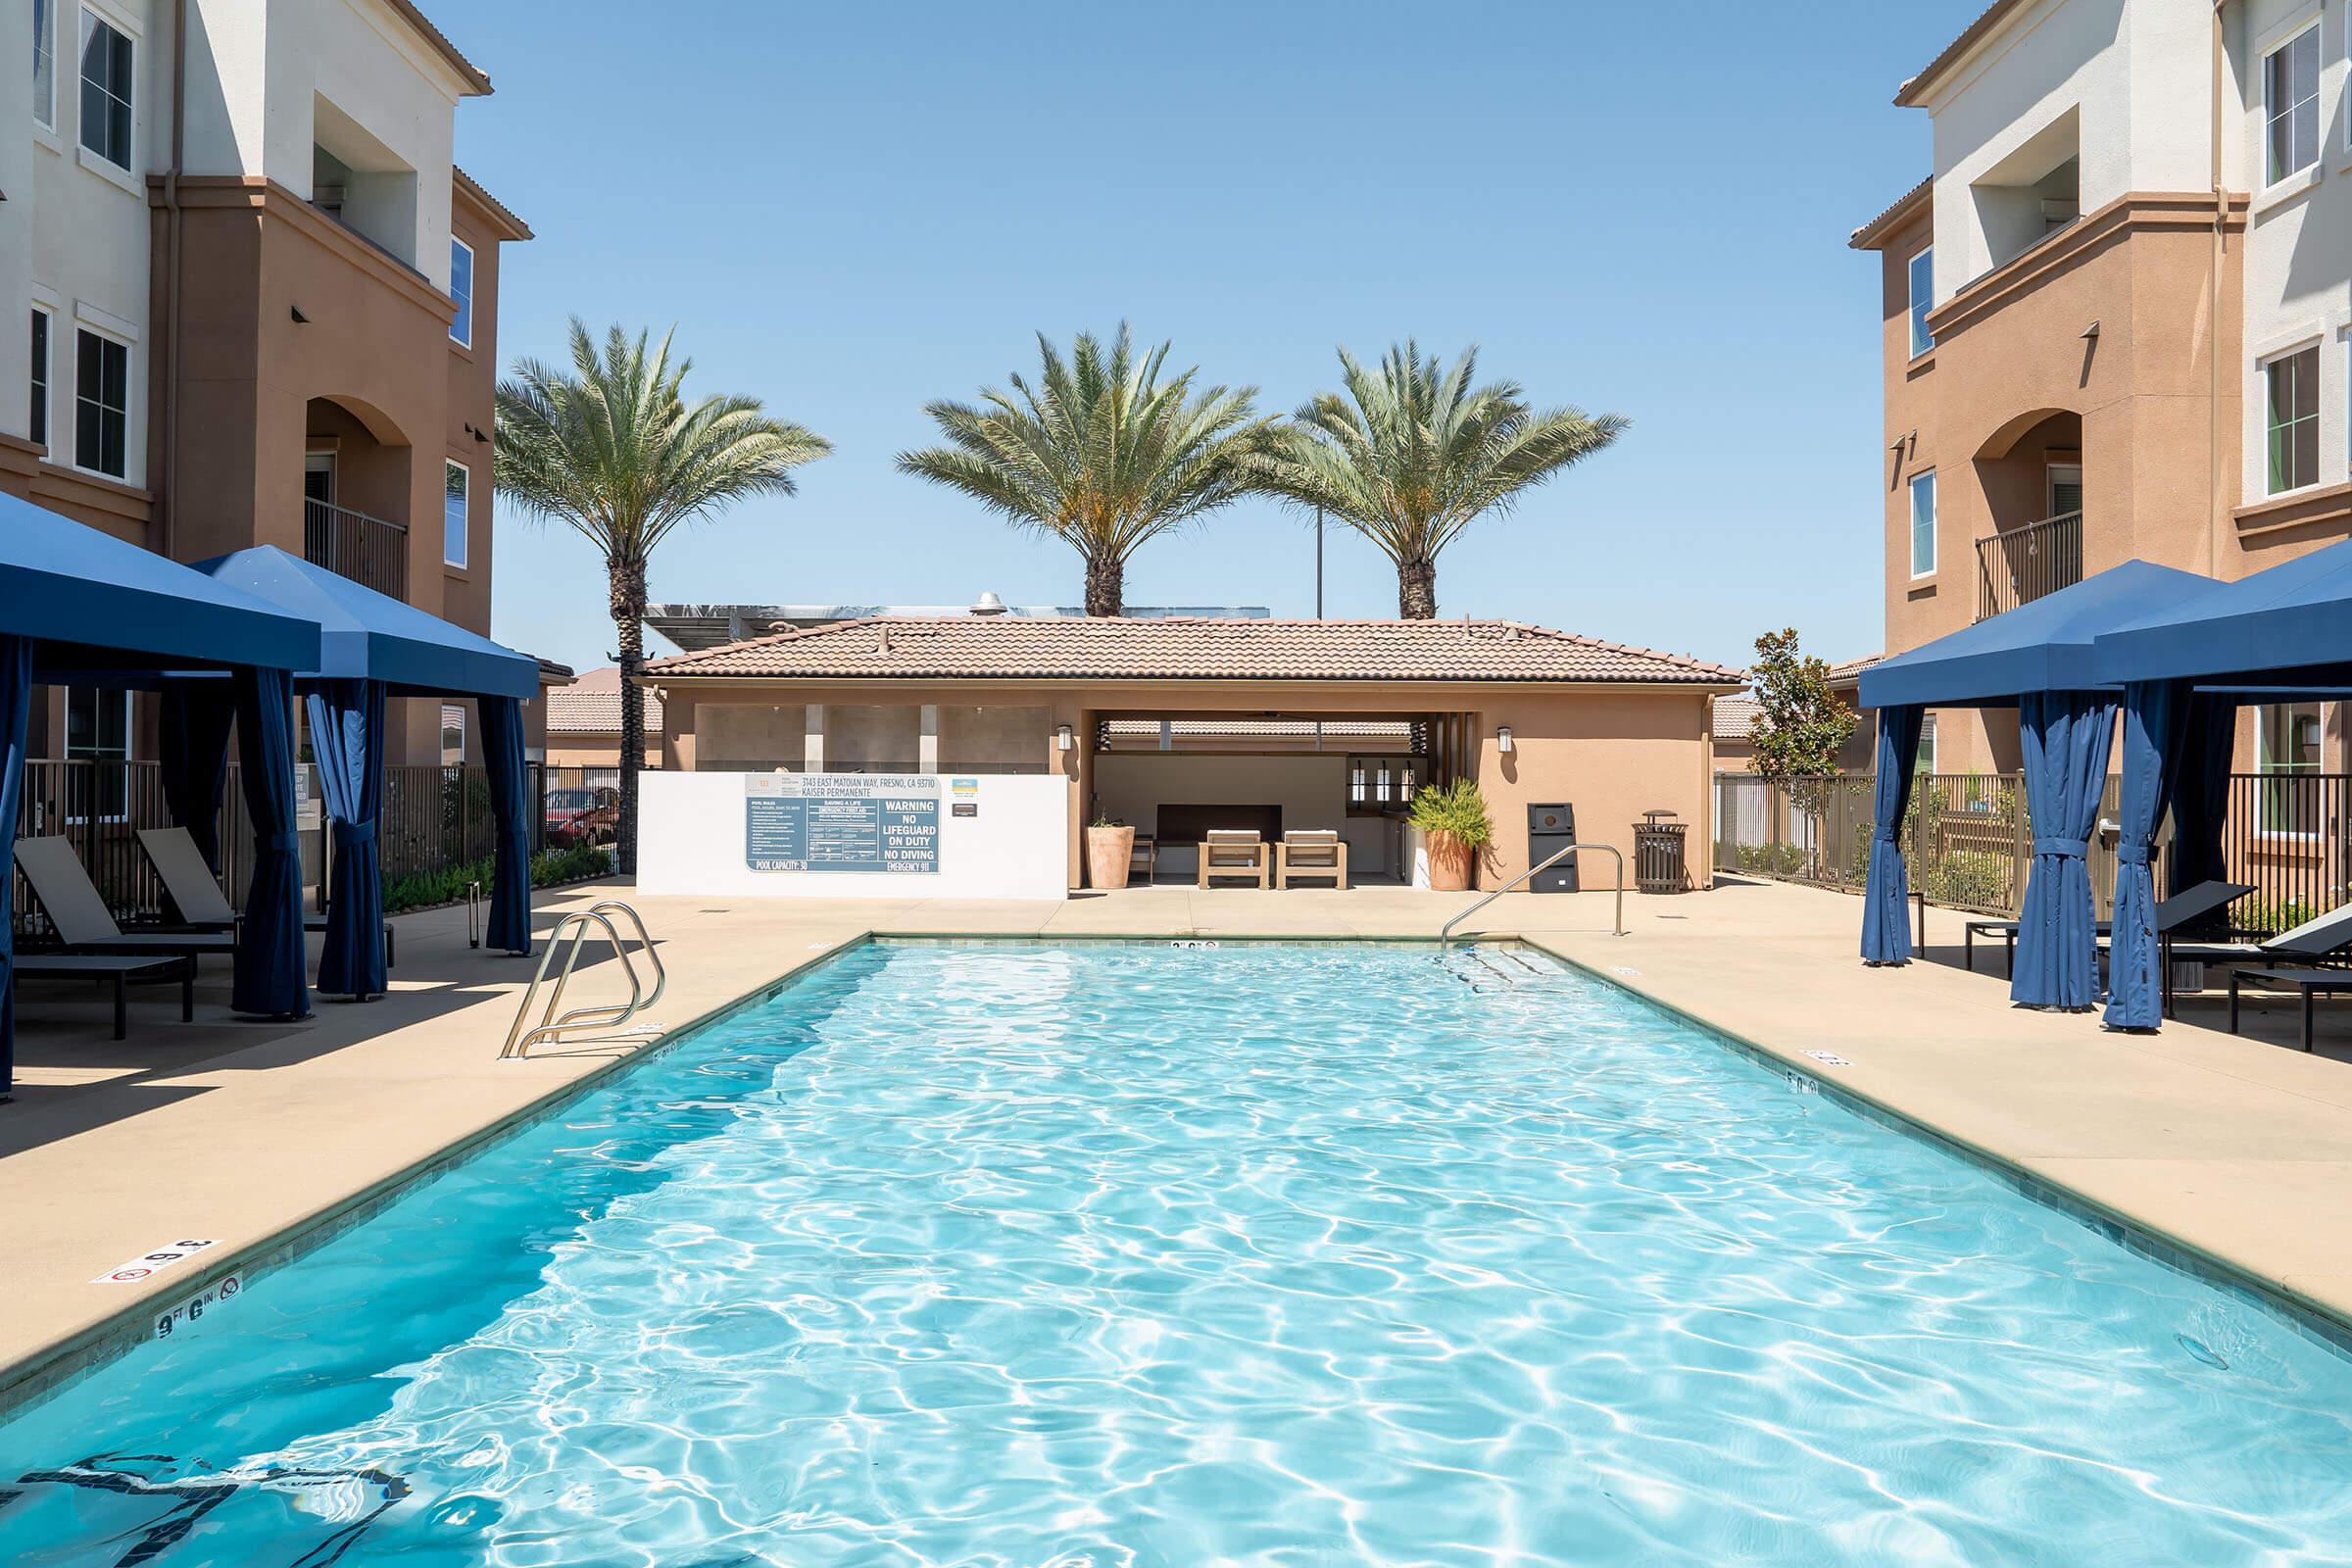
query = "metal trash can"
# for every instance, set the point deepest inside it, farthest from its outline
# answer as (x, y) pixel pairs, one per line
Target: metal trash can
(1659, 864)
(1549, 831)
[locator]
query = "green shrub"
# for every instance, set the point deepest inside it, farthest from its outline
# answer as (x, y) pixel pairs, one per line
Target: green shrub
(447, 885)
(1456, 809)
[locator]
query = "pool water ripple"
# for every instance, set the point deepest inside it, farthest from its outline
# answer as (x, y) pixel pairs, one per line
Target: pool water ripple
(1136, 1256)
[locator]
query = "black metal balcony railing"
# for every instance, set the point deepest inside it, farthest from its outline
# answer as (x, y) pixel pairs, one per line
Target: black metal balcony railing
(369, 550)
(2019, 565)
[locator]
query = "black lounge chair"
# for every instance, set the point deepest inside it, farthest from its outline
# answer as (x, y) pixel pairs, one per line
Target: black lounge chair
(83, 922)
(2175, 913)
(177, 859)
(2320, 938)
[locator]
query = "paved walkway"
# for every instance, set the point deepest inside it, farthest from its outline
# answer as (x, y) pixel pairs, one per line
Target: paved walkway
(240, 1133)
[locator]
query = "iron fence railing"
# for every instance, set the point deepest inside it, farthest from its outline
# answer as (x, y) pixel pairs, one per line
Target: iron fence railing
(372, 552)
(2019, 565)
(435, 819)
(1968, 840)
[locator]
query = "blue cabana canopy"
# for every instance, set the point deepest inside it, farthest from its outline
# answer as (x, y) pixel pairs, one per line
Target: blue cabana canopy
(371, 646)
(366, 635)
(2296, 617)
(100, 604)
(2045, 645)
(79, 605)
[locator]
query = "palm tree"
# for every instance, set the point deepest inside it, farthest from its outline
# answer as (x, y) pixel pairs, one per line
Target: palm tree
(1101, 453)
(610, 446)
(1411, 456)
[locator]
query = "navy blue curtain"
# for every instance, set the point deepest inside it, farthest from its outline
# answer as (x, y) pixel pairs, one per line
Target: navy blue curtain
(196, 715)
(347, 741)
(270, 977)
(511, 878)
(16, 706)
(2155, 725)
(2065, 737)
(2201, 792)
(1886, 933)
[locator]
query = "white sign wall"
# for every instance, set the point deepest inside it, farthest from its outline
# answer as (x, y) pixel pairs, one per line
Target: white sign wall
(853, 835)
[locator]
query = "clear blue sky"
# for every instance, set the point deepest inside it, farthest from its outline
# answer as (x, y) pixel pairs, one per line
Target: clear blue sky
(848, 210)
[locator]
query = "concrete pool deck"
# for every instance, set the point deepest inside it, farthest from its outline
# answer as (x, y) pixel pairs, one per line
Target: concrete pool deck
(258, 1135)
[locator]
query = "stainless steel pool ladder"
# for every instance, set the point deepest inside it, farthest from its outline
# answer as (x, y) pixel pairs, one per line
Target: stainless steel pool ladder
(603, 1016)
(1446, 931)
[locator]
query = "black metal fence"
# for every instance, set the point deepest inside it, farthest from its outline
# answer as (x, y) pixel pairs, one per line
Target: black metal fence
(1968, 840)
(435, 819)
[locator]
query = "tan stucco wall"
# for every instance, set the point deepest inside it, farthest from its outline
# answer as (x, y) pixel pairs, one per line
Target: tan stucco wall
(2010, 352)
(991, 737)
(1613, 753)
(576, 750)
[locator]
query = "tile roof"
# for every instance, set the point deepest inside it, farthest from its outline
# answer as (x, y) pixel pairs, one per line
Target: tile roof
(1869, 236)
(591, 706)
(516, 228)
(1853, 668)
(472, 73)
(1911, 92)
(1117, 649)
(1735, 716)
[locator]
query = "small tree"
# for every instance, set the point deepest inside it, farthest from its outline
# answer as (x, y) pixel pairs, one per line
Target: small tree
(1800, 724)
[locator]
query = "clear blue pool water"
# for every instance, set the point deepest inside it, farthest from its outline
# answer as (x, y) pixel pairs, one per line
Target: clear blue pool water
(1269, 1254)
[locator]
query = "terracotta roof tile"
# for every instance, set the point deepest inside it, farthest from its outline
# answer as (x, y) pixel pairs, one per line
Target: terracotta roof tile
(1735, 716)
(591, 706)
(970, 648)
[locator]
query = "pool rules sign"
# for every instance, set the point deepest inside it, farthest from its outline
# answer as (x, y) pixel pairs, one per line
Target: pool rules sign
(870, 822)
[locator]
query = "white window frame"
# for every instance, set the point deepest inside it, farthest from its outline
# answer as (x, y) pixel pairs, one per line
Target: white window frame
(1934, 514)
(46, 374)
(130, 742)
(2265, 367)
(44, 43)
(1921, 341)
(130, 379)
(465, 534)
(464, 301)
(2265, 767)
(2272, 113)
(128, 164)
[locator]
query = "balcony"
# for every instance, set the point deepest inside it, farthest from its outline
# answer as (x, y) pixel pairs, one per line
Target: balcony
(2019, 565)
(369, 550)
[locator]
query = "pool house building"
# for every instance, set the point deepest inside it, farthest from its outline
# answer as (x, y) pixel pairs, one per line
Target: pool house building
(1178, 726)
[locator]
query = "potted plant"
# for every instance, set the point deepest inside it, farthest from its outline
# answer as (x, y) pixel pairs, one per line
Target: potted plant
(1452, 819)
(1109, 850)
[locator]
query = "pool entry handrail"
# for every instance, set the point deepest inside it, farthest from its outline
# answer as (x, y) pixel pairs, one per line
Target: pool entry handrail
(609, 1015)
(1447, 930)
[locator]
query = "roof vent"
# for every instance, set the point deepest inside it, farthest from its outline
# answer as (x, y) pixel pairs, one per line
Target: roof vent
(988, 604)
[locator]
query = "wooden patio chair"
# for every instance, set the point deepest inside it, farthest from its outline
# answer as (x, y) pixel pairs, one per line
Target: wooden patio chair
(1311, 853)
(1234, 853)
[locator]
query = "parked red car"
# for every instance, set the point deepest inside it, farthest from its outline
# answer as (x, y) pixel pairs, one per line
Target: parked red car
(579, 816)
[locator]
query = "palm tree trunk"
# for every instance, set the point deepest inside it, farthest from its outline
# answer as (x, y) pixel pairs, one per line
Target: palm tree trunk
(1105, 587)
(628, 582)
(1417, 590)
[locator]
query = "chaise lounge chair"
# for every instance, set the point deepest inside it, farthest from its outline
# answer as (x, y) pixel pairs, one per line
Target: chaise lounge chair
(2180, 911)
(83, 921)
(177, 859)
(2313, 939)
(1311, 853)
(1231, 852)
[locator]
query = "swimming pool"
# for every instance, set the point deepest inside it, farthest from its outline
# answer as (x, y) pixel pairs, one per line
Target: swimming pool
(1125, 1254)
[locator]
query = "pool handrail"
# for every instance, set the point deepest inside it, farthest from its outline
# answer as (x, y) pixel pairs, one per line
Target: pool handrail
(1446, 931)
(602, 1016)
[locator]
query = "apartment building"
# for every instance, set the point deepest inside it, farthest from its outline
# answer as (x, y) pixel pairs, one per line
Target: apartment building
(2118, 319)
(259, 302)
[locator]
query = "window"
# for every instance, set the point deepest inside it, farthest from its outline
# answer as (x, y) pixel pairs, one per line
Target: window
(105, 91)
(2290, 105)
(98, 733)
(1923, 525)
(454, 486)
(453, 736)
(1923, 300)
(461, 290)
(1925, 763)
(2294, 419)
(2065, 484)
(2287, 755)
(101, 404)
(44, 66)
(38, 420)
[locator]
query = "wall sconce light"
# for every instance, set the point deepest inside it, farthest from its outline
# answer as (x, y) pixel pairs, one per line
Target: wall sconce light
(1502, 739)
(1063, 740)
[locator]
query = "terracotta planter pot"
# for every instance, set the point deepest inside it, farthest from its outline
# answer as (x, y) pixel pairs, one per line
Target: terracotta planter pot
(1109, 850)
(1448, 864)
